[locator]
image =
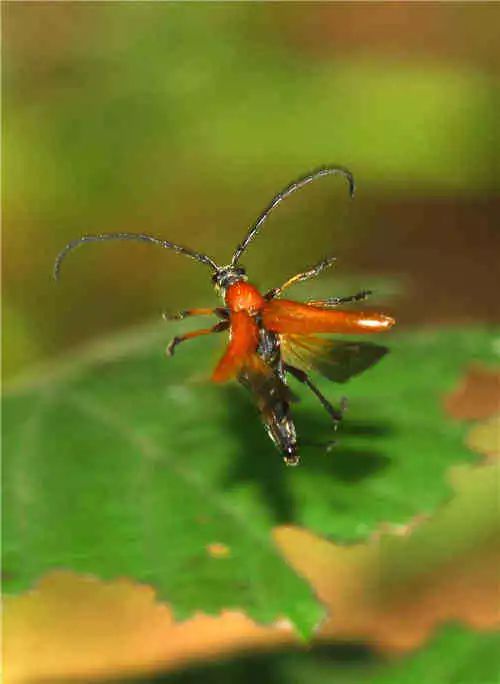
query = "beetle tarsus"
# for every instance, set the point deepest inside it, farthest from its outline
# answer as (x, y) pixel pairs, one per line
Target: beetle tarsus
(172, 345)
(173, 316)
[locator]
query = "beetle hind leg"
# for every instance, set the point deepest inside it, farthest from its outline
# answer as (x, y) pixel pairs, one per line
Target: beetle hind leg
(335, 414)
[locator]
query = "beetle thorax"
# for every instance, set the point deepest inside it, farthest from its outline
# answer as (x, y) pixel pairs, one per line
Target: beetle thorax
(243, 296)
(231, 283)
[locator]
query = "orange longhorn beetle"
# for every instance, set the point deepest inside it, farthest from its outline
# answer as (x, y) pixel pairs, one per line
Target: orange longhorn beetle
(270, 337)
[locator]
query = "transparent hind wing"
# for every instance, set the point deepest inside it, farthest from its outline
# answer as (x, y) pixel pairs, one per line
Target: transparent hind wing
(338, 360)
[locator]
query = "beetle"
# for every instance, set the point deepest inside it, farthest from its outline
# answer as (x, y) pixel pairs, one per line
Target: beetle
(271, 338)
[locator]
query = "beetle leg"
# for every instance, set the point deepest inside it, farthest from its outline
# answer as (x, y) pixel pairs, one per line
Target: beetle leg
(218, 327)
(335, 301)
(301, 376)
(300, 277)
(180, 315)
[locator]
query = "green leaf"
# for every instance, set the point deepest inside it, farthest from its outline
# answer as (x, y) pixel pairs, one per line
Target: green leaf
(455, 656)
(123, 463)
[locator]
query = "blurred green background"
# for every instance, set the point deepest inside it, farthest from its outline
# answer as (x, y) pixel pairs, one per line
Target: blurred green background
(184, 119)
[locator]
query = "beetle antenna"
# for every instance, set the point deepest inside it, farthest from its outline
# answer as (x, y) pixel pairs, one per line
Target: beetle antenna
(286, 192)
(140, 237)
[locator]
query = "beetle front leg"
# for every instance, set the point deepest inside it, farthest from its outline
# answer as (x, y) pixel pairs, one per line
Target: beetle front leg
(218, 327)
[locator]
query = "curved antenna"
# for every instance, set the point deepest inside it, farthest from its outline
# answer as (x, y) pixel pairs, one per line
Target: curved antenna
(290, 189)
(140, 237)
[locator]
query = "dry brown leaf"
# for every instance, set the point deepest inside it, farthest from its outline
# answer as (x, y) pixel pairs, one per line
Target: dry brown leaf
(395, 589)
(477, 395)
(361, 609)
(78, 626)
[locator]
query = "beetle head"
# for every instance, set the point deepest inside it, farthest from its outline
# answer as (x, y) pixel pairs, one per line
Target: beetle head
(228, 275)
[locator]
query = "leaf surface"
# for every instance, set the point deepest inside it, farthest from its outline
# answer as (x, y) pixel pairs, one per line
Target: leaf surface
(455, 656)
(123, 464)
